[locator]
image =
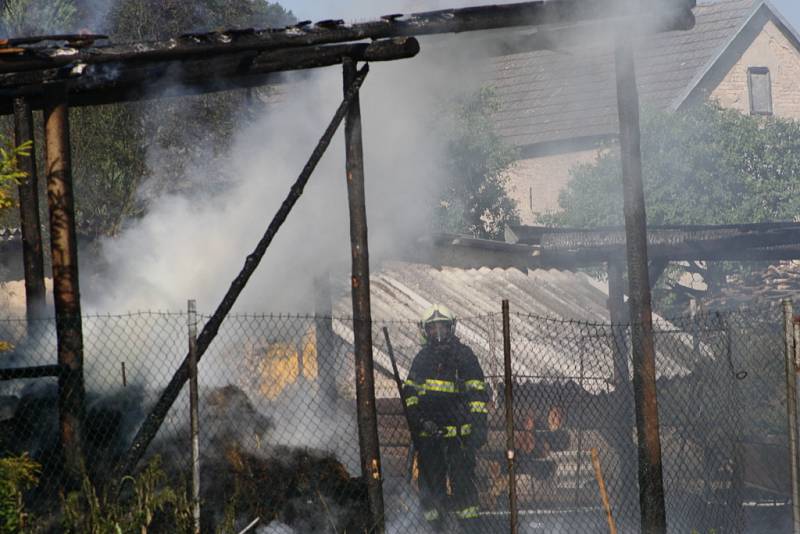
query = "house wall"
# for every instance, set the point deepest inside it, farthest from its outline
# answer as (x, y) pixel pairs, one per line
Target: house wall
(769, 49)
(536, 182)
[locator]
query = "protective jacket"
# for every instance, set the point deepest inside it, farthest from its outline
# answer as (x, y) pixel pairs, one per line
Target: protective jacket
(446, 396)
(446, 386)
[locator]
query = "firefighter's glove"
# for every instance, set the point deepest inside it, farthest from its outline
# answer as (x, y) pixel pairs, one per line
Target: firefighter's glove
(478, 437)
(429, 428)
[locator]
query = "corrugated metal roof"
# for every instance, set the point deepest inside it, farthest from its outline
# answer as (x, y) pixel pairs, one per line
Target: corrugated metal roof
(545, 341)
(554, 95)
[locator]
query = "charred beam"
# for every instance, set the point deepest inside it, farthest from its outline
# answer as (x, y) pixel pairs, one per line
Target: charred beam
(676, 13)
(32, 252)
(157, 414)
(118, 82)
(66, 293)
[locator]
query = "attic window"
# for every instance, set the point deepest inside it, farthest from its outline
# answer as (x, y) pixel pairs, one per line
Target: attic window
(758, 83)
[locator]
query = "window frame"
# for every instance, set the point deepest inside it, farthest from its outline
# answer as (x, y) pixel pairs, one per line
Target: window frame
(760, 71)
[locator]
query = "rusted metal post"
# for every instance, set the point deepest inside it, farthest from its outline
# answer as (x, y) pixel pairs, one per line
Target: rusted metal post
(66, 293)
(791, 410)
(616, 312)
(509, 402)
(323, 326)
(362, 316)
(194, 411)
(32, 252)
(651, 485)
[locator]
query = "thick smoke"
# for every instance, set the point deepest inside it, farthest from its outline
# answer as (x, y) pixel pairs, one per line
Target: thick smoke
(192, 245)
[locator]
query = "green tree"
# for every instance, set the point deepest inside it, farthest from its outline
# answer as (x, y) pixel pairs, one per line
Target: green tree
(116, 147)
(36, 17)
(474, 199)
(706, 165)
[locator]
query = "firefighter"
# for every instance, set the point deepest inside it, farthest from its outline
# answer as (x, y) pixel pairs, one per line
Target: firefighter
(446, 396)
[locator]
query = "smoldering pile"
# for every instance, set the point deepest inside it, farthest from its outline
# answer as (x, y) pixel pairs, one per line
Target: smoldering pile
(245, 473)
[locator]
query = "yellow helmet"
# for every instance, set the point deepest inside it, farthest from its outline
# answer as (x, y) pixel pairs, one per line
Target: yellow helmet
(438, 324)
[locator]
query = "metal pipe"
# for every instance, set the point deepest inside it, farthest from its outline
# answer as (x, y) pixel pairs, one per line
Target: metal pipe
(32, 252)
(66, 293)
(39, 371)
(791, 410)
(362, 315)
(509, 402)
(194, 404)
(124, 376)
(651, 485)
(157, 414)
(323, 330)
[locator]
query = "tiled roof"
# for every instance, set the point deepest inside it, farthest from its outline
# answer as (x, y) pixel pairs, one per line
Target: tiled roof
(555, 95)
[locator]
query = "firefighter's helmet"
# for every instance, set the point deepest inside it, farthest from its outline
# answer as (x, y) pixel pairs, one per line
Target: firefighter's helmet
(438, 324)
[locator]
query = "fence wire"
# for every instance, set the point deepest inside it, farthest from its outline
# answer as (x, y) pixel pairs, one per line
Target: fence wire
(279, 438)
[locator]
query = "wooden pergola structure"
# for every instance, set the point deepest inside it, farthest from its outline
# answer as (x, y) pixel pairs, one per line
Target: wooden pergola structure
(54, 73)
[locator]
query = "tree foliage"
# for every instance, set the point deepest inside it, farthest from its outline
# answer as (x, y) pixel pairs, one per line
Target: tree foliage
(474, 198)
(118, 148)
(36, 17)
(10, 173)
(707, 165)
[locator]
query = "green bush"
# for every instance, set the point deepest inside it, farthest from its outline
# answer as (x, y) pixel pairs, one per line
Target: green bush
(17, 475)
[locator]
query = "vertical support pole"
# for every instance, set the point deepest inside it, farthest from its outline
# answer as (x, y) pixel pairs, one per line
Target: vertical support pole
(651, 485)
(66, 293)
(32, 252)
(616, 312)
(194, 409)
(791, 409)
(509, 402)
(362, 317)
(620, 437)
(323, 325)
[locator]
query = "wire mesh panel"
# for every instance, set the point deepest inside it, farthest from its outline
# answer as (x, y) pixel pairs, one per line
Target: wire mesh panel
(279, 439)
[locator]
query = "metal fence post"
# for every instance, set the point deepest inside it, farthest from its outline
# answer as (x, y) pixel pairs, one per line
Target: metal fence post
(791, 409)
(195, 416)
(509, 401)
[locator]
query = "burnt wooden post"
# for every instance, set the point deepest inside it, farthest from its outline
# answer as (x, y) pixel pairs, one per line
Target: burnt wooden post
(509, 402)
(32, 253)
(66, 294)
(791, 410)
(362, 317)
(651, 485)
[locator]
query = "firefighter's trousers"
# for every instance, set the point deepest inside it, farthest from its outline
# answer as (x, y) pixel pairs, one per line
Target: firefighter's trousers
(440, 460)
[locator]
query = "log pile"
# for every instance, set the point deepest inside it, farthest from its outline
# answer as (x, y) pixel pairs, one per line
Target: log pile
(776, 282)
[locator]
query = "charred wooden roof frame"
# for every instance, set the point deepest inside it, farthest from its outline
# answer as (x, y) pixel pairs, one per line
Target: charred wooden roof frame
(54, 72)
(541, 247)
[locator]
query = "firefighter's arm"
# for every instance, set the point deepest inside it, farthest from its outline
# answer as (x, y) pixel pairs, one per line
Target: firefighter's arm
(412, 389)
(477, 396)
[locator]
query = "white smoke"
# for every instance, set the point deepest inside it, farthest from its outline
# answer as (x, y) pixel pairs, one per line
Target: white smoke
(192, 246)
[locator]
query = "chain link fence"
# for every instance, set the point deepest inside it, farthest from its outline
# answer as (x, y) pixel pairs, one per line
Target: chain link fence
(279, 438)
